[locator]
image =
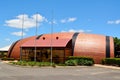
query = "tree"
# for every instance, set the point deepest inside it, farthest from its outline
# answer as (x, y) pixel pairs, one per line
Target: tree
(117, 46)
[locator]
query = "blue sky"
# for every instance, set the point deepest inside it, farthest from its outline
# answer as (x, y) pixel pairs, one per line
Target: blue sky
(89, 16)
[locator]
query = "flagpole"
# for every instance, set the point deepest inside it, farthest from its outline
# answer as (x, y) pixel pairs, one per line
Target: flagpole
(52, 38)
(36, 36)
(21, 37)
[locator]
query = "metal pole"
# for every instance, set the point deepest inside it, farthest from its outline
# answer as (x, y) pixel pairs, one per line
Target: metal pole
(21, 37)
(36, 36)
(51, 38)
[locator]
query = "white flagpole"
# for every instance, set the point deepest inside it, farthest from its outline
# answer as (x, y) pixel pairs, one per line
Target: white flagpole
(52, 39)
(22, 37)
(36, 36)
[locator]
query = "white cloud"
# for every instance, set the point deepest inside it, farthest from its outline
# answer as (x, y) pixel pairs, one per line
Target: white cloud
(63, 21)
(6, 48)
(81, 30)
(72, 19)
(29, 22)
(7, 39)
(114, 22)
(88, 30)
(110, 22)
(68, 20)
(18, 33)
(54, 22)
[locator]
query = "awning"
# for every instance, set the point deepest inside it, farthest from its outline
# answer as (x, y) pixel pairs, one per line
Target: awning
(46, 43)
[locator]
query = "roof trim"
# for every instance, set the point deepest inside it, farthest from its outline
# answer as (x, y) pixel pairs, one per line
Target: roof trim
(46, 43)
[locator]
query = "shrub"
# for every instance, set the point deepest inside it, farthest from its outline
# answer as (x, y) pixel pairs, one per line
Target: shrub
(72, 61)
(53, 65)
(22, 63)
(7, 59)
(81, 61)
(79, 58)
(45, 63)
(32, 63)
(88, 63)
(60, 64)
(38, 64)
(111, 61)
(103, 61)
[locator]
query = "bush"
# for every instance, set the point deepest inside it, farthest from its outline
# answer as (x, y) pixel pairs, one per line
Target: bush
(88, 63)
(45, 63)
(78, 57)
(111, 61)
(7, 59)
(73, 61)
(53, 65)
(22, 63)
(103, 61)
(60, 64)
(81, 61)
(32, 63)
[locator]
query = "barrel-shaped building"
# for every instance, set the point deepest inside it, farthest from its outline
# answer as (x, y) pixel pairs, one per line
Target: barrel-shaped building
(62, 45)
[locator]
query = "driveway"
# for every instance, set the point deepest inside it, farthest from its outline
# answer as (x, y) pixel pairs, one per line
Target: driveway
(10, 72)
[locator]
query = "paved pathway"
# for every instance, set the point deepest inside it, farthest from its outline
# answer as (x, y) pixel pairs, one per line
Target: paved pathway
(10, 72)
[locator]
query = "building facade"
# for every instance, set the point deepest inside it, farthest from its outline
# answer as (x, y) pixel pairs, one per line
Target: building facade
(62, 46)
